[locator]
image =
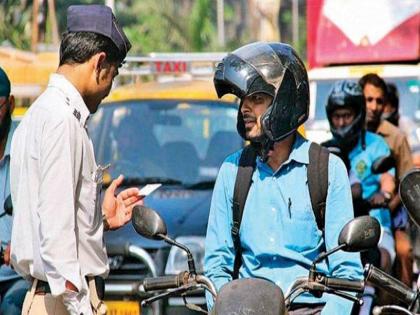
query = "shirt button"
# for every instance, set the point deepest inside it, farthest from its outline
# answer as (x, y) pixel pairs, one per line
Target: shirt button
(272, 239)
(273, 209)
(274, 258)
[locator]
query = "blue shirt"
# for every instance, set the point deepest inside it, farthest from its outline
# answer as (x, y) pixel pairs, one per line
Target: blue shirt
(278, 233)
(361, 162)
(6, 273)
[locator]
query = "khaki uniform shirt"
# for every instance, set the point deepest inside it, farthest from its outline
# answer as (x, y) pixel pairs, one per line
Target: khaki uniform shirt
(398, 144)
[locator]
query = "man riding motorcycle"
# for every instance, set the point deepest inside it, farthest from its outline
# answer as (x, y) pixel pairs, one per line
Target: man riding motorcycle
(346, 115)
(279, 236)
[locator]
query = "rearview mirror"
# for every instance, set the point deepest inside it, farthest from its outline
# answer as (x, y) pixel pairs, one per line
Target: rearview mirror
(360, 234)
(148, 223)
(383, 164)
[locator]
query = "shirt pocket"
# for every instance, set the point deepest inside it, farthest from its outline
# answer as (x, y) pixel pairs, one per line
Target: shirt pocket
(301, 232)
(88, 199)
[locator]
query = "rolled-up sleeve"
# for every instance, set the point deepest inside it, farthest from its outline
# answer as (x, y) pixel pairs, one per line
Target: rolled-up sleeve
(339, 211)
(56, 208)
(219, 252)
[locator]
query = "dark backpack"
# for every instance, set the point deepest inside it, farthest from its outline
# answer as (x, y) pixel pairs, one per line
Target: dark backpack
(317, 183)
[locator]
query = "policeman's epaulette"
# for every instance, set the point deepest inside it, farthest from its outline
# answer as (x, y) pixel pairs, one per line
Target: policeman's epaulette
(76, 114)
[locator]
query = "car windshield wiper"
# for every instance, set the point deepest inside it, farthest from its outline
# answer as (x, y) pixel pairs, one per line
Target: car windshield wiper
(207, 184)
(150, 180)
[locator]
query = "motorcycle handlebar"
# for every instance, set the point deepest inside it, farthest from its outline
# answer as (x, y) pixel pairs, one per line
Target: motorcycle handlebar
(164, 282)
(345, 285)
(391, 285)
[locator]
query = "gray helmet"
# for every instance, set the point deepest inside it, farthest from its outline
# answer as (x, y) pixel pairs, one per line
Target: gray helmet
(274, 69)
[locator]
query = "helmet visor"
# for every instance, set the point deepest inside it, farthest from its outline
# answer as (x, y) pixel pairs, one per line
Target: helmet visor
(240, 70)
(265, 61)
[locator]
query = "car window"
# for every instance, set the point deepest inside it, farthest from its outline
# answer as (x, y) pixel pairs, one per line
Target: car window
(185, 141)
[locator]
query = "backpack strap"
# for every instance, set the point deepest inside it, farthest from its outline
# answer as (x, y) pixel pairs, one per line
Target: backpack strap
(317, 174)
(243, 182)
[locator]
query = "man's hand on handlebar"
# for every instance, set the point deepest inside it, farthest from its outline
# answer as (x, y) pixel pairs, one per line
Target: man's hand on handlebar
(380, 200)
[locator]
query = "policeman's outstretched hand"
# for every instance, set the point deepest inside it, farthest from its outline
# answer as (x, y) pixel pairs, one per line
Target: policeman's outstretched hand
(118, 209)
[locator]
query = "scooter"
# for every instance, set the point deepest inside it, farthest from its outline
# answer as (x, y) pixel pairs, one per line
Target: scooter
(254, 296)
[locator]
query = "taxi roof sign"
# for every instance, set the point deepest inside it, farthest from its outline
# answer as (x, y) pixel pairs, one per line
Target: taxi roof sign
(170, 67)
(175, 64)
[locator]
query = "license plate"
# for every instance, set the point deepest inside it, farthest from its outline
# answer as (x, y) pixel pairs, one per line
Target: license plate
(122, 308)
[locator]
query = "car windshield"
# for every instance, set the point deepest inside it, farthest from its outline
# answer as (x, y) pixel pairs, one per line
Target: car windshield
(408, 88)
(180, 141)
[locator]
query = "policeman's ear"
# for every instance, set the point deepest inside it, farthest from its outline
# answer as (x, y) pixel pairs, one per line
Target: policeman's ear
(11, 103)
(99, 63)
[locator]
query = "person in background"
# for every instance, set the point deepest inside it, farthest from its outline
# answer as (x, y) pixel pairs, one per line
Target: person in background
(57, 236)
(391, 106)
(12, 286)
(346, 114)
(376, 94)
(392, 114)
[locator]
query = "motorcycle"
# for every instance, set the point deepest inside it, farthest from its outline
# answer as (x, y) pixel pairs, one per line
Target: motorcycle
(254, 296)
(410, 196)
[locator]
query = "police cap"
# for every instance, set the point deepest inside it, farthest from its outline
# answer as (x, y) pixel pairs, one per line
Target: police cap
(98, 19)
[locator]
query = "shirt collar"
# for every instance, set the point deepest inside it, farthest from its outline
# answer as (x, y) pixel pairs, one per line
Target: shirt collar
(73, 97)
(359, 147)
(299, 153)
(300, 150)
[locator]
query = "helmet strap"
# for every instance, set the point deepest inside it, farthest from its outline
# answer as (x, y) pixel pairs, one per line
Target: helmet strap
(266, 146)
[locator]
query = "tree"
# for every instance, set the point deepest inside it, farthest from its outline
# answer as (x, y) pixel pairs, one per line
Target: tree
(15, 27)
(151, 25)
(166, 25)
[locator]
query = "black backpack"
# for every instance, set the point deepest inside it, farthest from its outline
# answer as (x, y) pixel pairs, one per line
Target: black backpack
(317, 184)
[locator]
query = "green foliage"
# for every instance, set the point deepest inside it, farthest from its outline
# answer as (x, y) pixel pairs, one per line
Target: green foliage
(201, 29)
(168, 25)
(151, 25)
(15, 17)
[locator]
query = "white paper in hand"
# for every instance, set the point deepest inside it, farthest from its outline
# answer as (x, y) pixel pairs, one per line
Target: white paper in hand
(148, 189)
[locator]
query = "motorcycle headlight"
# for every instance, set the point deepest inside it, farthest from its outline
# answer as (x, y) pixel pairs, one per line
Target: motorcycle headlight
(177, 259)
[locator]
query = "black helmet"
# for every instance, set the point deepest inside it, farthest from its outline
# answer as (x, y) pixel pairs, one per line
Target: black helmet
(274, 69)
(346, 94)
